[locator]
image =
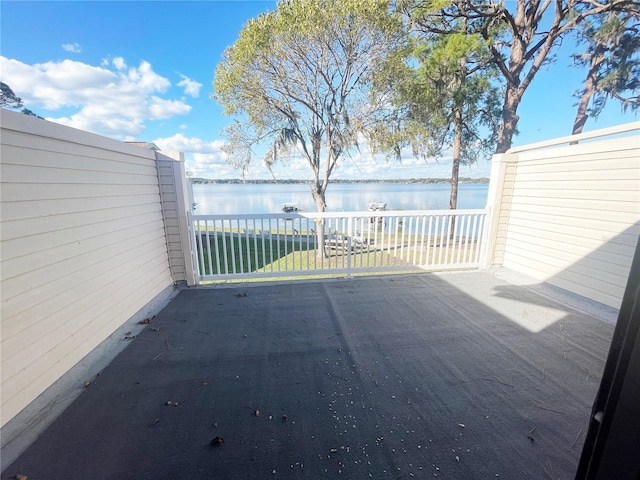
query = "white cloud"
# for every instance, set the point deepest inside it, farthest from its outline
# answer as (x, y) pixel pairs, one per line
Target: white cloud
(204, 159)
(119, 63)
(180, 143)
(72, 47)
(111, 99)
(191, 87)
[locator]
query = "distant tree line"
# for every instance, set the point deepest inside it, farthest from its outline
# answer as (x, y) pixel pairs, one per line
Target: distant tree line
(233, 181)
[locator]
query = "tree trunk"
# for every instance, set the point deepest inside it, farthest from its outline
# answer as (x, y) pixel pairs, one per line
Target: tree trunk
(597, 58)
(455, 167)
(318, 194)
(510, 118)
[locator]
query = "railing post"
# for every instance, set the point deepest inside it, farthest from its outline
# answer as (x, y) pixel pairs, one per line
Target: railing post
(195, 265)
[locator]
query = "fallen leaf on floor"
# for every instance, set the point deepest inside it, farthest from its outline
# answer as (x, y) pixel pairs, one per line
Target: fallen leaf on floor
(216, 441)
(243, 294)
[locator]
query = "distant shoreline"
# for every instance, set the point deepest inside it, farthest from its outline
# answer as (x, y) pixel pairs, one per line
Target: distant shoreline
(233, 181)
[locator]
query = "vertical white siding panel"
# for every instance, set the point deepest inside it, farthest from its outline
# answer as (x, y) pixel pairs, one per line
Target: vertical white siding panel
(174, 209)
(75, 207)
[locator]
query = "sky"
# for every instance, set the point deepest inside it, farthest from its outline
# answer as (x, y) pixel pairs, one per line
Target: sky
(143, 71)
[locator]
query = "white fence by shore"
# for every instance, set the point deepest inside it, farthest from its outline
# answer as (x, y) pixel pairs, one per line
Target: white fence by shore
(307, 243)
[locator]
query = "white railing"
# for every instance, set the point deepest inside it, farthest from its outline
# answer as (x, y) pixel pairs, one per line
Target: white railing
(312, 243)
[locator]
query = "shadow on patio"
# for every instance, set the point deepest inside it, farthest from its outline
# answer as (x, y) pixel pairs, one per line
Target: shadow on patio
(414, 376)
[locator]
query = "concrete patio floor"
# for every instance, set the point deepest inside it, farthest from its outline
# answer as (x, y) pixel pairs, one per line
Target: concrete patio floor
(452, 376)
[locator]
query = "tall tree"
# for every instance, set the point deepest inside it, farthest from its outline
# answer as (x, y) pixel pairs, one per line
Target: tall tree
(455, 96)
(299, 79)
(613, 60)
(530, 31)
(9, 99)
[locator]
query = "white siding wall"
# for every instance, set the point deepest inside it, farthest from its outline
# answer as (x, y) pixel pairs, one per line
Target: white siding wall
(574, 216)
(83, 248)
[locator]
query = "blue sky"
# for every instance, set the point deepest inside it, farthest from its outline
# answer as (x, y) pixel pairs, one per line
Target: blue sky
(143, 71)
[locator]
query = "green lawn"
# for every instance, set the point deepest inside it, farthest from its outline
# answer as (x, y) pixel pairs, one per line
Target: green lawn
(258, 254)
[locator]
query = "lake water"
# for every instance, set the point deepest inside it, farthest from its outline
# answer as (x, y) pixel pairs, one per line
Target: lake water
(268, 198)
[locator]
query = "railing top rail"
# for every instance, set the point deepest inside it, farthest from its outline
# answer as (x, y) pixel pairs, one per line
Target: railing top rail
(356, 214)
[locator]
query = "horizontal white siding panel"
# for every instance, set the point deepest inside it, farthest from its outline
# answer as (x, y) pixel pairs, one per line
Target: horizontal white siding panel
(552, 261)
(613, 206)
(63, 319)
(61, 206)
(45, 240)
(566, 153)
(574, 216)
(65, 222)
(559, 187)
(605, 171)
(35, 377)
(17, 192)
(36, 174)
(85, 146)
(36, 275)
(591, 288)
(47, 297)
(108, 162)
(589, 236)
(596, 160)
(83, 248)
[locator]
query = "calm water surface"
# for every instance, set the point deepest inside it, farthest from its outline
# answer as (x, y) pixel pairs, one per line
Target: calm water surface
(268, 198)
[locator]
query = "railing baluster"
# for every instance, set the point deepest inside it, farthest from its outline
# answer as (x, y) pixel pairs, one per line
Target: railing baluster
(481, 238)
(427, 259)
(467, 238)
(441, 239)
(208, 248)
(264, 257)
(245, 259)
(228, 246)
(233, 244)
(463, 219)
(423, 219)
(456, 238)
(270, 236)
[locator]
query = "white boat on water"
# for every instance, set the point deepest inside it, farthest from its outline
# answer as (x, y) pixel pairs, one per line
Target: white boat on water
(289, 207)
(377, 206)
